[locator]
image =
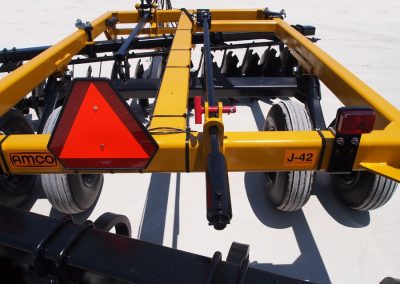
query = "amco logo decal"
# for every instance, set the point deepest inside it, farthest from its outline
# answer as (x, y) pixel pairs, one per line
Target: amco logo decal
(32, 159)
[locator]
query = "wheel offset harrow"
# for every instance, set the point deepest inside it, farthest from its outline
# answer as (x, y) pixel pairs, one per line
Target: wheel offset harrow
(364, 137)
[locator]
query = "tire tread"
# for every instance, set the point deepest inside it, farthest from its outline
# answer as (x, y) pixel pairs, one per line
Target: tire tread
(55, 186)
(299, 182)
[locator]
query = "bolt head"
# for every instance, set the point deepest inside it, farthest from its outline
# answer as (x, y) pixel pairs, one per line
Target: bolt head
(354, 141)
(340, 141)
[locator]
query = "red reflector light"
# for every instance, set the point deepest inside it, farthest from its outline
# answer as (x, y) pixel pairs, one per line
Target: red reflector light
(97, 130)
(351, 120)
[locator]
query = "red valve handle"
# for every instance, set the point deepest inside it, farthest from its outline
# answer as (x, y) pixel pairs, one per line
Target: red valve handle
(199, 109)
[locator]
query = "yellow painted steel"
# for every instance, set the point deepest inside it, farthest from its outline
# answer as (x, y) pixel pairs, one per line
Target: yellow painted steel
(380, 146)
(238, 14)
(348, 88)
(171, 103)
(244, 151)
(243, 26)
(26, 145)
(2, 165)
(174, 15)
(145, 31)
(20, 82)
(383, 169)
(127, 17)
(379, 151)
(266, 149)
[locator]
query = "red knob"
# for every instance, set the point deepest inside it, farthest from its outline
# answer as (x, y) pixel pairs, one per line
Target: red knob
(198, 109)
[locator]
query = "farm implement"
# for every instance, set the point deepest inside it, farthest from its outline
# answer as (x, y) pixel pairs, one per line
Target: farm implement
(169, 117)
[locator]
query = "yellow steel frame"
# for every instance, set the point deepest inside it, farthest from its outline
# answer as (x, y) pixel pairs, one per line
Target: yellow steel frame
(379, 151)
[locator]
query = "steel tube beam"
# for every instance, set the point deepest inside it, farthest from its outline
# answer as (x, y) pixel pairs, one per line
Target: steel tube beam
(37, 70)
(244, 151)
(347, 87)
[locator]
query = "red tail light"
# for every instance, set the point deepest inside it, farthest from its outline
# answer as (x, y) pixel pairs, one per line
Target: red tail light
(351, 120)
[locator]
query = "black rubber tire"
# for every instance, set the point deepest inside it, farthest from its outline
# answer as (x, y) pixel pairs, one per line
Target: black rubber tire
(288, 191)
(70, 193)
(363, 190)
(15, 190)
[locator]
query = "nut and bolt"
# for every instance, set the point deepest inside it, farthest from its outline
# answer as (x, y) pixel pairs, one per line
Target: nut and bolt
(354, 141)
(340, 141)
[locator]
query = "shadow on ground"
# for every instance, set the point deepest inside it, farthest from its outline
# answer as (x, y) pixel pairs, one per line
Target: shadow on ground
(345, 216)
(37, 193)
(154, 213)
(309, 265)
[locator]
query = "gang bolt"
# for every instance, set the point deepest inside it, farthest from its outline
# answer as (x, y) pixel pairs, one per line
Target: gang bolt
(354, 141)
(340, 141)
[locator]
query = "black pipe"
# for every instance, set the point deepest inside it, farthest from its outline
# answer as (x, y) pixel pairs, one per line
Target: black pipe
(208, 66)
(24, 54)
(123, 51)
(219, 209)
(112, 58)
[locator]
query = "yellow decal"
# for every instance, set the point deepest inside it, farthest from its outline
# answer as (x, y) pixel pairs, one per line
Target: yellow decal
(32, 159)
(302, 158)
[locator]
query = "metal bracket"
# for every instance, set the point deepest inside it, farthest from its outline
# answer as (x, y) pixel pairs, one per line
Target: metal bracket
(109, 220)
(10, 63)
(348, 135)
(146, 8)
(272, 15)
(201, 15)
(310, 94)
(305, 30)
(87, 27)
(239, 254)
(190, 16)
(344, 152)
(111, 22)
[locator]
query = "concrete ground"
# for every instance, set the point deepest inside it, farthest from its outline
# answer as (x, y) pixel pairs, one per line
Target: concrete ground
(325, 241)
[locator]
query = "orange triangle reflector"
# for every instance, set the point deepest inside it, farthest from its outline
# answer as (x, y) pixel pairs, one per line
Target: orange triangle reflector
(97, 130)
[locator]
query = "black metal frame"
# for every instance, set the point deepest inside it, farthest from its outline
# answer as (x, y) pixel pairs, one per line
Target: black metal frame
(39, 248)
(15, 55)
(286, 83)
